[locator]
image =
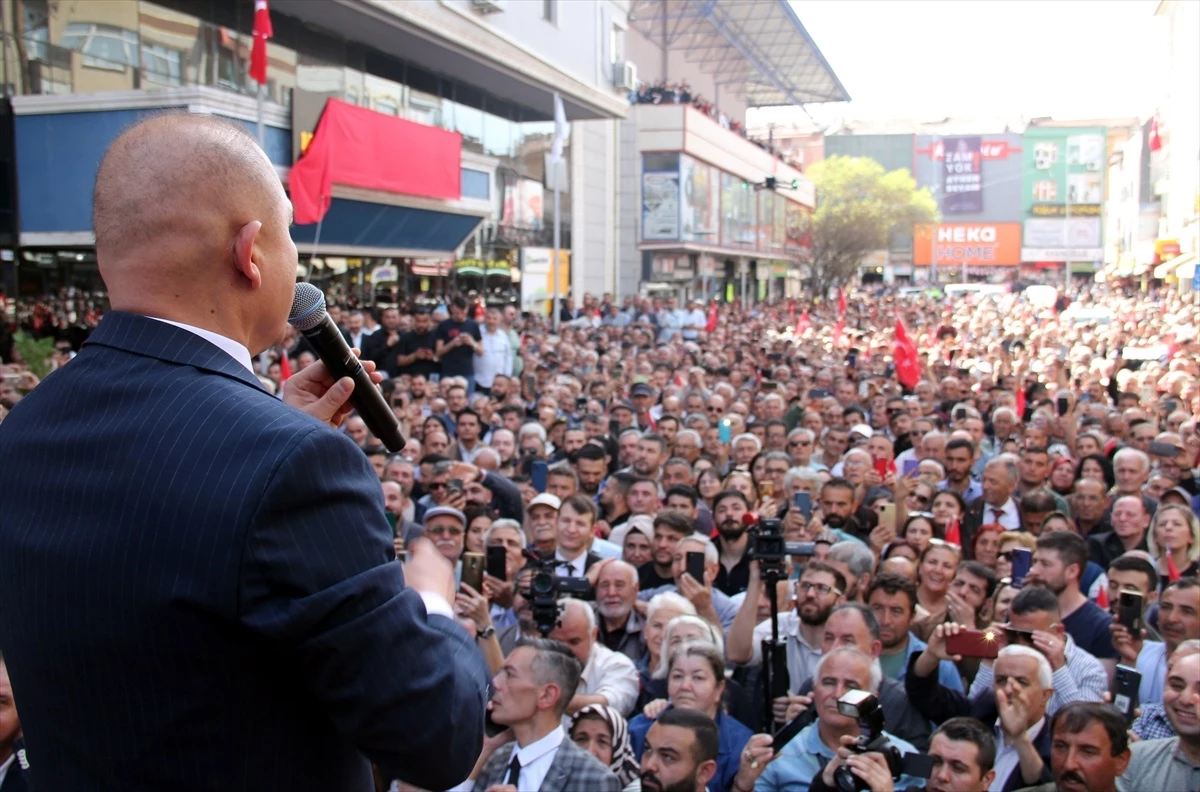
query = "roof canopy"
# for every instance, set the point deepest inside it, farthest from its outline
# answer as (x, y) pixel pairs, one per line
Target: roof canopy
(757, 48)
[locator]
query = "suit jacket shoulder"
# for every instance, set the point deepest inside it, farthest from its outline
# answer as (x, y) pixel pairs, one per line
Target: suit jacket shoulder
(575, 768)
(496, 767)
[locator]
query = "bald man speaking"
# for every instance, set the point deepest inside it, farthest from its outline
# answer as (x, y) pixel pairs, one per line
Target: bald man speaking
(196, 579)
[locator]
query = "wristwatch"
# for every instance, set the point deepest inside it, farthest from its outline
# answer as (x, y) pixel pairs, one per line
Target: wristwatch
(486, 633)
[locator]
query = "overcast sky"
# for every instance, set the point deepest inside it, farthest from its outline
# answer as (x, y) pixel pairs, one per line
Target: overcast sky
(928, 59)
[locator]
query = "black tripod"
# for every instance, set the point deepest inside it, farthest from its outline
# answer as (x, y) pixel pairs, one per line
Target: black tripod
(774, 650)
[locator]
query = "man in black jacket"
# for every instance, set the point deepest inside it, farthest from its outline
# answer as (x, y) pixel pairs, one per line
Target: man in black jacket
(1015, 707)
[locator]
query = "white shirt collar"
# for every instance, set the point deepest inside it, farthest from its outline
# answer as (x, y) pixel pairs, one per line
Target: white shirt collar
(4, 767)
(233, 348)
(577, 564)
(539, 748)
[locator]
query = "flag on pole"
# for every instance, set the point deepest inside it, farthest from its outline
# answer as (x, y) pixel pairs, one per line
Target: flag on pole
(562, 129)
(262, 32)
(711, 324)
(1155, 134)
(802, 324)
(904, 353)
(285, 365)
(954, 533)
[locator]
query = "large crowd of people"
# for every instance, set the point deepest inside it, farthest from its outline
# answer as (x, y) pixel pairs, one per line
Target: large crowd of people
(1037, 475)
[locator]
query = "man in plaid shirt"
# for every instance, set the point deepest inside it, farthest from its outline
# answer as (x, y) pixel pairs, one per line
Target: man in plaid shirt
(1152, 724)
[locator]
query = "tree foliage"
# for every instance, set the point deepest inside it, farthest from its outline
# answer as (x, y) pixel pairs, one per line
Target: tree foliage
(858, 206)
(35, 352)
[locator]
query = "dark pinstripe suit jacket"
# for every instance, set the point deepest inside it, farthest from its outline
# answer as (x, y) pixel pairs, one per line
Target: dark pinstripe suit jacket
(196, 591)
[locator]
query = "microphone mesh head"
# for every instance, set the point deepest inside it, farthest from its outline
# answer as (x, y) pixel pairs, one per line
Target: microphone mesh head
(308, 307)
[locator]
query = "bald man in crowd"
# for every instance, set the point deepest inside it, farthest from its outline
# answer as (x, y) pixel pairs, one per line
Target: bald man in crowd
(213, 601)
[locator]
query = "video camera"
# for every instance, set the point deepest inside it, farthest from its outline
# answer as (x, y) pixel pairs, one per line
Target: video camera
(769, 549)
(547, 587)
(866, 709)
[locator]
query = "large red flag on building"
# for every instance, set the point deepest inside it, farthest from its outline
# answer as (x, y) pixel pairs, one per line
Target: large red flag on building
(904, 352)
(262, 32)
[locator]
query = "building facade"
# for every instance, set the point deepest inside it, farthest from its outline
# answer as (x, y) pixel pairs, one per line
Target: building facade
(708, 211)
(78, 73)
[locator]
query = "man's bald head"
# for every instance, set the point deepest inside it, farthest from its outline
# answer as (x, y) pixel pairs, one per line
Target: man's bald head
(191, 224)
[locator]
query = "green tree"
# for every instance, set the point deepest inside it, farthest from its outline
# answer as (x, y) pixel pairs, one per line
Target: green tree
(858, 205)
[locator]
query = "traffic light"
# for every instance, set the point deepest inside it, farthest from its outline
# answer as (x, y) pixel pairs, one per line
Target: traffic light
(772, 183)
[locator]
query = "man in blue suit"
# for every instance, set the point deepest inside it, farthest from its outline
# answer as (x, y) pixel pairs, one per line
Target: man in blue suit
(198, 585)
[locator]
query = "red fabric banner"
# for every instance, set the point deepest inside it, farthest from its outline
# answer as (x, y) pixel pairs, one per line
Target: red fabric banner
(357, 147)
(841, 309)
(802, 324)
(904, 352)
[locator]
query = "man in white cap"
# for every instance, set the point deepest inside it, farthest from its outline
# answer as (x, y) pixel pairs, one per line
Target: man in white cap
(446, 527)
(541, 522)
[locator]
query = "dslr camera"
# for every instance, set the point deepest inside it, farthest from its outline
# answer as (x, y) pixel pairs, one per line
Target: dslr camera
(866, 709)
(547, 588)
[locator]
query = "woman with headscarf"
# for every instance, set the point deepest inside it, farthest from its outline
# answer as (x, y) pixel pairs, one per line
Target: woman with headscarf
(604, 733)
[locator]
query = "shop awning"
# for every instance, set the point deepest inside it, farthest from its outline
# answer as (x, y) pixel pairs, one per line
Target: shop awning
(1171, 265)
(756, 48)
(384, 230)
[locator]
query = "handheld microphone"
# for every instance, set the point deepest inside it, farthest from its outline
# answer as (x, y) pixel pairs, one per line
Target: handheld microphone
(311, 319)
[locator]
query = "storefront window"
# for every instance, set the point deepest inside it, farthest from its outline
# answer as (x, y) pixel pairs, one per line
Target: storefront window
(498, 135)
(468, 121)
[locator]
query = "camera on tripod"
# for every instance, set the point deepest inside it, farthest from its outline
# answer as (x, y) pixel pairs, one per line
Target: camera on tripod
(547, 587)
(769, 549)
(866, 709)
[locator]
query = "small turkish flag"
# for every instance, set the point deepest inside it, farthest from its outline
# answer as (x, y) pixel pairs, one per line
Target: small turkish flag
(711, 324)
(953, 534)
(262, 32)
(841, 309)
(285, 366)
(904, 352)
(1155, 134)
(802, 324)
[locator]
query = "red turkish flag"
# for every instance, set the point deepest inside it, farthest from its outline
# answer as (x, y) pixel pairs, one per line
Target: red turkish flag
(904, 351)
(838, 329)
(953, 534)
(262, 32)
(1155, 135)
(841, 301)
(711, 324)
(285, 366)
(802, 324)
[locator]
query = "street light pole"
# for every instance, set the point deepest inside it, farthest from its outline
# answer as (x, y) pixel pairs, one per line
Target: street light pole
(1067, 235)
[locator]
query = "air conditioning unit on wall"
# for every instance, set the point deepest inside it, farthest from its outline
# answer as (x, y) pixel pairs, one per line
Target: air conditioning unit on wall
(488, 6)
(625, 75)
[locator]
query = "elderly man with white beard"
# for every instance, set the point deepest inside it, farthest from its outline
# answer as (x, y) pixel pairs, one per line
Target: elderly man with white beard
(620, 626)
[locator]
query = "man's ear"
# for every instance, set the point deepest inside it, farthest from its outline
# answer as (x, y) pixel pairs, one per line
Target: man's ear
(706, 771)
(243, 253)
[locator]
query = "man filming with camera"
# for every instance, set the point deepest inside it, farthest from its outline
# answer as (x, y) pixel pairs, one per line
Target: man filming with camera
(844, 696)
(962, 753)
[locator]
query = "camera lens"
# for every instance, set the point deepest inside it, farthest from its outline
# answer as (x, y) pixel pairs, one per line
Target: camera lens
(543, 584)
